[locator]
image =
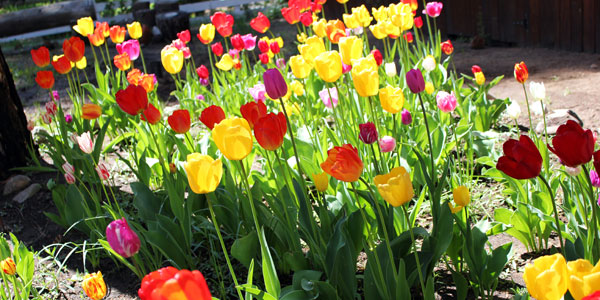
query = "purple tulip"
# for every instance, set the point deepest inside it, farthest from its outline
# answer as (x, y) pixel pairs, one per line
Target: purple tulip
(122, 239)
(275, 84)
(387, 144)
(415, 81)
(204, 81)
(132, 47)
(406, 117)
(68, 118)
(55, 96)
(368, 133)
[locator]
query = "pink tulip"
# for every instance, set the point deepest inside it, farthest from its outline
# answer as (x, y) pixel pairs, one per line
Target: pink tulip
(187, 53)
(387, 144)
(329, 97)
(433, 9)
(68, 168)
(406, 117)
(131, 47)
(85, 143)
(594, 178)
(47, 118)
(55, 96)
(346, 68)
(249, 41)
(446, 102)
(102, 171)
(258, 92)
(69, 178)
(122, 239)
(50, 108)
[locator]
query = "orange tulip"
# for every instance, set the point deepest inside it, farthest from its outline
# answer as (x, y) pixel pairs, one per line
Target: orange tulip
(147, 82)
(343, 163)
(122, 61)
(74, 49)
(45, 79)
(134, 76)
(40, 56)
(96, 38)
(171, 283)
(335, 29)
(521, 72)
(117, 34)
(103, 27)
(91, 111)
(61, 64)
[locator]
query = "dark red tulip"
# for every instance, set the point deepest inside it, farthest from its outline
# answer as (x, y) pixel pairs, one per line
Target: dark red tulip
(202, 72)
(261, 23)
(217, 48)
(253, 111)
(270, 130)
(74, 49)
(415, 81)
(263, 46)
(597, 161)
(275, 85)
(151, 114)
(184, 36)
(180, 121)
(521, 160)
(291, 14)
(237, 42)
(212, 116)
(40, 56)
(264, 58)
(132, 100)
(378, 57)
(368, 133)
(223, 23)
(573, 145)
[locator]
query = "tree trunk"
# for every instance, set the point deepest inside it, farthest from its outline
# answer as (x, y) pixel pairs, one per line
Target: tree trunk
(14, 136)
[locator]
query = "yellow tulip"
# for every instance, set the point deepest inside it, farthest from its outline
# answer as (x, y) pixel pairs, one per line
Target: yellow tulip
(329, 66)
(84, 26)
(461, 198)
(342, 1)
(321, 181)
(365, 76)
(395, 187)
(401, 15)
(584, 278)
(379, 30)
(391, 29)
(392, 99)
(207, 33)
(93, 285)
(297, 87)
(203, 172)
(8, 266)
(279, 41)
(226, 62)
(547, 277)
(351, 21)
(319, 27)
(479, 78)
(351, 48)
(362, 15)
(380, 14)
(135, 30)
(301, 37)
(233, 137)
(429, 88)
(300, 67)
(311, 49)
(172, 59)
(81, 64)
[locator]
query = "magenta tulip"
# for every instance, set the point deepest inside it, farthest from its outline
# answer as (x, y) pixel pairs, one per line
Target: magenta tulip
(122, 239)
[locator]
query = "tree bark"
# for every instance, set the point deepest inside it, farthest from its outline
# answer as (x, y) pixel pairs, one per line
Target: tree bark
(14, 136)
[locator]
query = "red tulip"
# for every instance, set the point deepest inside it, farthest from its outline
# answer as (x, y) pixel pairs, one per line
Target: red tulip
(306, 18)
(132, 100)
(223, 23)
(521, 72)
(521, 160)
(62, 65)
(103, 28)
(316, 7)
(573, 145)
(291, 14)
(302, 5)
(74, 49)
(593, 296)
(476, 69)
(170, 283)
(270, 130)
(151, 114)
(408, 37)
(212, 116)
(45, 79)
(378, 57)
(263, 46)
(184, 36)
(343, 163)
(237, 42)
(261, 23)
(253, 111)
(264, 58)
(217, 49)
(40, 56)
(274, 46)
(447, 47)
(202, 72)
(180, 121)
(368, 133)
(418, 22)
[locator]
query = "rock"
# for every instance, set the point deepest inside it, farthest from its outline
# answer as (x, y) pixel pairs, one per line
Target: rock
(556, 118)
(593, 66)
(27, 193)
(16, 183)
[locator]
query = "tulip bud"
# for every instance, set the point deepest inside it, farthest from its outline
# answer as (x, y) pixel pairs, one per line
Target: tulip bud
(68, 168)
(8, 266)
(102, 171)
(122, 239)
(85, 142)
(538, 91)
(69, 178)
(521, 72)
(378, 57)
(321, 181)
(406, 117)
(390, 69)
(275, 84)
(447, 47)
(202, 72)
(387, 144)
(68, 118)
(93, 285)
(217, 49)
(418, 22)
(513, 110)
(368, 133)
(264, 58)
(415, 81)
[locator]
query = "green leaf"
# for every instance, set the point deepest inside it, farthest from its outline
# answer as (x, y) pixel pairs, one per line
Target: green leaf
(268, 267)
(246, 248)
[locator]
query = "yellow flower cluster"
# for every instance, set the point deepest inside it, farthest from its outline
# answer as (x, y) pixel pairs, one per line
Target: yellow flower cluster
(391, 20)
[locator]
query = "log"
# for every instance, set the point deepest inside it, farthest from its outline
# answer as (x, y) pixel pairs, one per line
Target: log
(44, 17)
(14, 136)
(171, 23)
(163, 6)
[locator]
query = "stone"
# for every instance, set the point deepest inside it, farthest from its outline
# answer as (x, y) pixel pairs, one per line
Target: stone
(556, 118)
(15, 184)
(27, 193)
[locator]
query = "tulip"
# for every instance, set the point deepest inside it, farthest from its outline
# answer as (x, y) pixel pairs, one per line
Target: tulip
(446, 102)
(594, 178)
(40, 56)
(433, 9)
(415, 81)
(253, 111)
(249, 41)
(368, 133)
(408, 37)
(226, 62)
(134, 76)
(117, 34)
(45, 79)
(132, 100)
(270, 130)
(147, 82)
(46, 118)
(97, 38)
(74, 49)
(547, 277)
(335, 30)
(429, 88)
(275, 84)
(391, 98)
(390, 69)
(319, 27)
(329, 97)
(379, 30)
(102, 171)
(380, 14)
(184, 36)
(479, 78)
(68, 168)
(135, 30)
(212, 116)
(329, 66)
(297, 87)
(343, 163)
(274, 47)
(8, 266)
(300, 67)
(70, 178)
(84, 26)
(223, 23)
(170, 283)
(202, 72)
(258, 92)
(593, 296)
(203, 172)
(362, 15)
(151, 114)
(521, 72)
(321, 181)
(418, 21)
(85, 142)
(513, 110)
(81, 64)
(50, 108)
(291, 14)
(263, 45)
(237, 42)
(91, 111)
(429, 63)
(387, 144)
(306, 18)
(122, 61)
(350, 49)
(461, 198)
(573, 145)
(395, 187)
(131, 47)
(172, 59)
(521, 160)
(583, 279)
(122, 239)
(233, 137)
(206, 33)
(406, 117)
(93, 285)
(261, 23)
(447, 47)
(377, 56)
(180, 121)
(538, 91)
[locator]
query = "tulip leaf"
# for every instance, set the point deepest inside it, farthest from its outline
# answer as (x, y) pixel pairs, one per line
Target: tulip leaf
(245, 249)
(256, 292)
(268, 267)
(146, 202)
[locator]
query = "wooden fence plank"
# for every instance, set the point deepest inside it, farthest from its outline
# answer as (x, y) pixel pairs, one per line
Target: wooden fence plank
(534, 22)
(589, 24)
(576, 19)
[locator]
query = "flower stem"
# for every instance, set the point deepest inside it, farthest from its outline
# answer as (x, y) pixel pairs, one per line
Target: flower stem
(560, 239)
(414, 246)
(290, 130)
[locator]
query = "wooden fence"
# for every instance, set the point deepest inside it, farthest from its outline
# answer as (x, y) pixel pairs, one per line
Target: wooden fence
(565, 24)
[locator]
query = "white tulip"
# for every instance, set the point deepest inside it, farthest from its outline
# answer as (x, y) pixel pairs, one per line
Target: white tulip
(429, 63)
(390, 69)
(538, 108)
(538, 91)
(513, 110)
